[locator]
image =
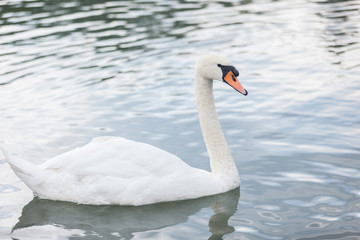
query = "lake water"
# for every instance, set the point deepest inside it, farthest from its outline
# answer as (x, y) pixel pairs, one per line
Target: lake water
(74, 70)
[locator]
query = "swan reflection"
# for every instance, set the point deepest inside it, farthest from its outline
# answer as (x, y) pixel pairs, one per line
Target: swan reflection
(112, 222)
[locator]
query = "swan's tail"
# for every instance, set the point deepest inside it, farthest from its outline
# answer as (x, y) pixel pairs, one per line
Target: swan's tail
(28, 172)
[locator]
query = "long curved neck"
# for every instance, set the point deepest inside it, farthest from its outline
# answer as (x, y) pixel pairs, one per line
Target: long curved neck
(221, 161)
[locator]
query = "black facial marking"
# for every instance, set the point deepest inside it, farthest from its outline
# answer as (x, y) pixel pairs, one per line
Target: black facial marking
(226, 69)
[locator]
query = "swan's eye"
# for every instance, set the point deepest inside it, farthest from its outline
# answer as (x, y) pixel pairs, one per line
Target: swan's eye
(219, 65)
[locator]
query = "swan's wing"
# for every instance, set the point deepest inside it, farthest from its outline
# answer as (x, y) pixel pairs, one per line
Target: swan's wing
(115, 156)
(120, 171)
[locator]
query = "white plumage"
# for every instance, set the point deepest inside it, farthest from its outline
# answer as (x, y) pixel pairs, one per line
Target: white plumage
(115, 170)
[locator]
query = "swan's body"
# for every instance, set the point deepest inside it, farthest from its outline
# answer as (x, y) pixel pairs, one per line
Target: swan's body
(114, 170)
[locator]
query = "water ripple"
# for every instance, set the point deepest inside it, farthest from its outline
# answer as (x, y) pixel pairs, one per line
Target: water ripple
(327, 200)
(73, 70)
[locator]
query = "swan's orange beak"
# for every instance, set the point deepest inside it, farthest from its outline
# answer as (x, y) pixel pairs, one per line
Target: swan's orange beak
(231, 79)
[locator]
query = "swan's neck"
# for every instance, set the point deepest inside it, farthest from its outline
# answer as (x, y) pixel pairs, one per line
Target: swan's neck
(221, 161)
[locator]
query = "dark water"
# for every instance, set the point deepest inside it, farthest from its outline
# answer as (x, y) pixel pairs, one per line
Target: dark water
(73, 70)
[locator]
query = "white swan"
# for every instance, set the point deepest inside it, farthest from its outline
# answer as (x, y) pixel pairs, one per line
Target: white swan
(115, 170)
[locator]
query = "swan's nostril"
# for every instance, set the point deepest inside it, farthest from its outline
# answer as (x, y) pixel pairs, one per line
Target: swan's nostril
(233, 78)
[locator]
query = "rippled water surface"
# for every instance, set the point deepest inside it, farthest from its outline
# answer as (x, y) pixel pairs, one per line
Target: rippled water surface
(73, 70)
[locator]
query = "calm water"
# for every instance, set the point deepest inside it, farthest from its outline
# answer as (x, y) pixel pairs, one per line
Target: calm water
(73, 70)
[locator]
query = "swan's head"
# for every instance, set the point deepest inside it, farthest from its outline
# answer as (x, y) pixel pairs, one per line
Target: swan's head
(216, 67)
